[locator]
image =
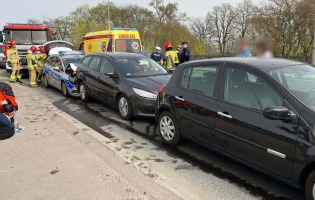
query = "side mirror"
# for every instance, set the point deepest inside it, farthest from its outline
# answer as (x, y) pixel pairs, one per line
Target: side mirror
(172, 70)
(110, 75)
(55, 68)
(277, 113)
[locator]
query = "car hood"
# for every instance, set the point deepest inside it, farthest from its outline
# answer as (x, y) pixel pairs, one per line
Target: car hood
(148, 83)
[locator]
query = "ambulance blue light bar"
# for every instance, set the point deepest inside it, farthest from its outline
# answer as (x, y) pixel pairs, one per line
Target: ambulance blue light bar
(124, 29)
(81, 52)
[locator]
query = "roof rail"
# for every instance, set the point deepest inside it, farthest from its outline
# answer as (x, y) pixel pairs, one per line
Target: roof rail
(26, 24)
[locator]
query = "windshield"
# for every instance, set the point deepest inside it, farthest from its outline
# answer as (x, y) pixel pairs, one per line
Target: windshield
(26, 37)
(128, 45)
(299, 80)
(67, 61)
(139, 67)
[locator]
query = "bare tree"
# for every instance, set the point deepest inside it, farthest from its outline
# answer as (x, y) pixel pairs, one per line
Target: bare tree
(220, 23)
(245, 12)
(199, 27)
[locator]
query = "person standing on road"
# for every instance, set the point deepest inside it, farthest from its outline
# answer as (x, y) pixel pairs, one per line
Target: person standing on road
(41, 57)
(31, 65)
(264, 49)
(242, 48)
(170, 56)
(178, 50)
(185, 54)
(157, 56)
(13, 59)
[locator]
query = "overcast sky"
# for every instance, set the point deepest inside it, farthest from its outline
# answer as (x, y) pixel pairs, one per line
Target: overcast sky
(21, 10)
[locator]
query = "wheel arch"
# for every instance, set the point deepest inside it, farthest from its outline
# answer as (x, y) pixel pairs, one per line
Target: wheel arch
(306, 171)
(161, 110)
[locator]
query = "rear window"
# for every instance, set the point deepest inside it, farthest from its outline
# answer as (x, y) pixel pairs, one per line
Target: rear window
(67, 61)
(127, 45)
(86, 60)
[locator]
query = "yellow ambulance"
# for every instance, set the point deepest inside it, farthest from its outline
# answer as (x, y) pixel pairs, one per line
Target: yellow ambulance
(114, 40)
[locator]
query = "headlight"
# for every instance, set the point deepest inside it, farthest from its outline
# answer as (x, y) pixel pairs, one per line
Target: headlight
(145, 94)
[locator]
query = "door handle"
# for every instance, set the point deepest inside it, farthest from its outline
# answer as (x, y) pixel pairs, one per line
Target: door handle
(225, 115)
(179, 98)
(276, 153)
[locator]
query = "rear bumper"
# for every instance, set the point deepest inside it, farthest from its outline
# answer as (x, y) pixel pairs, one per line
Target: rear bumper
(74, 92)
(23, 67)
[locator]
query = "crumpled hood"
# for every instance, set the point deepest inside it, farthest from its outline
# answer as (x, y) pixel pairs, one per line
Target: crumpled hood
(149, 83)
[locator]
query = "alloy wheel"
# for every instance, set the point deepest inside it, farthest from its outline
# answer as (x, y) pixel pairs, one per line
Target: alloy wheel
(46, 82)
(123, 106)
(64, 89)
(82, 92)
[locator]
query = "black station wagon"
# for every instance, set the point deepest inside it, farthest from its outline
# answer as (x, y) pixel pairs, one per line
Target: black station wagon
(260, 112)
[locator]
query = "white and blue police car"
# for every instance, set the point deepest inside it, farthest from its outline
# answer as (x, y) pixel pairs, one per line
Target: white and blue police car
(60, 70)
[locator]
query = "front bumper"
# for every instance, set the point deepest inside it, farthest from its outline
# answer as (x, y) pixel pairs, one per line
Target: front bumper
(143, 107)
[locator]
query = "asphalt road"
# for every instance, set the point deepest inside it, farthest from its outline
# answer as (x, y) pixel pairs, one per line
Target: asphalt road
(189, 170)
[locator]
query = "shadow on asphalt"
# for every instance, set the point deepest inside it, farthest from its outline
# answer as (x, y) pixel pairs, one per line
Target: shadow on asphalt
(206, 160)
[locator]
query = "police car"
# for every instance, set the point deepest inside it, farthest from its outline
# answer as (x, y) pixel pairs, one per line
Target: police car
(60, 70)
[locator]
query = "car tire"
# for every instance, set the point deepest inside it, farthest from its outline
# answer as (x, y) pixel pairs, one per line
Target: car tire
(310, 186)
(83, 92)
(9, 71)
(46, 84)
(64, 89)
(168, 128)
(124, 107)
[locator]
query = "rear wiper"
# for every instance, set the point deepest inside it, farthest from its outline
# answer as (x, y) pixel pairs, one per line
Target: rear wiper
(159, 74)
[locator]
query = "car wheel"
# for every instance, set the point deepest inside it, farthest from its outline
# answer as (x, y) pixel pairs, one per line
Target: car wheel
(83, 92)
(46, 84)
(64, 89)
(310, 187)
(8, 71)
(124, 107)
(168, 128)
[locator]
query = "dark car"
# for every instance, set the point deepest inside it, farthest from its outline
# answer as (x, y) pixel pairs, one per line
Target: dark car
(129, 82)
(2, 57)
(260, 112)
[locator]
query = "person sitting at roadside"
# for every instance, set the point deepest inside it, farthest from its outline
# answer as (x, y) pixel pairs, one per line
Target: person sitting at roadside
(6, 127)
(8, 105)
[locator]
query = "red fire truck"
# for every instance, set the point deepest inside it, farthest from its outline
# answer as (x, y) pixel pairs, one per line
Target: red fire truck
(26, 35)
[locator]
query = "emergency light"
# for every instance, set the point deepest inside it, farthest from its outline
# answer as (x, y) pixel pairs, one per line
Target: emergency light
(81, 52)
(124, 29)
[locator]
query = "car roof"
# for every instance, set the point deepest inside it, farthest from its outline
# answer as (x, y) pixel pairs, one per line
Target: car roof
(118, 55)
(257, 63)
(68, 55)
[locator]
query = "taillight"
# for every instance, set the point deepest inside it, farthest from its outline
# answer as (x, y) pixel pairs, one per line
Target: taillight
(161, 89)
